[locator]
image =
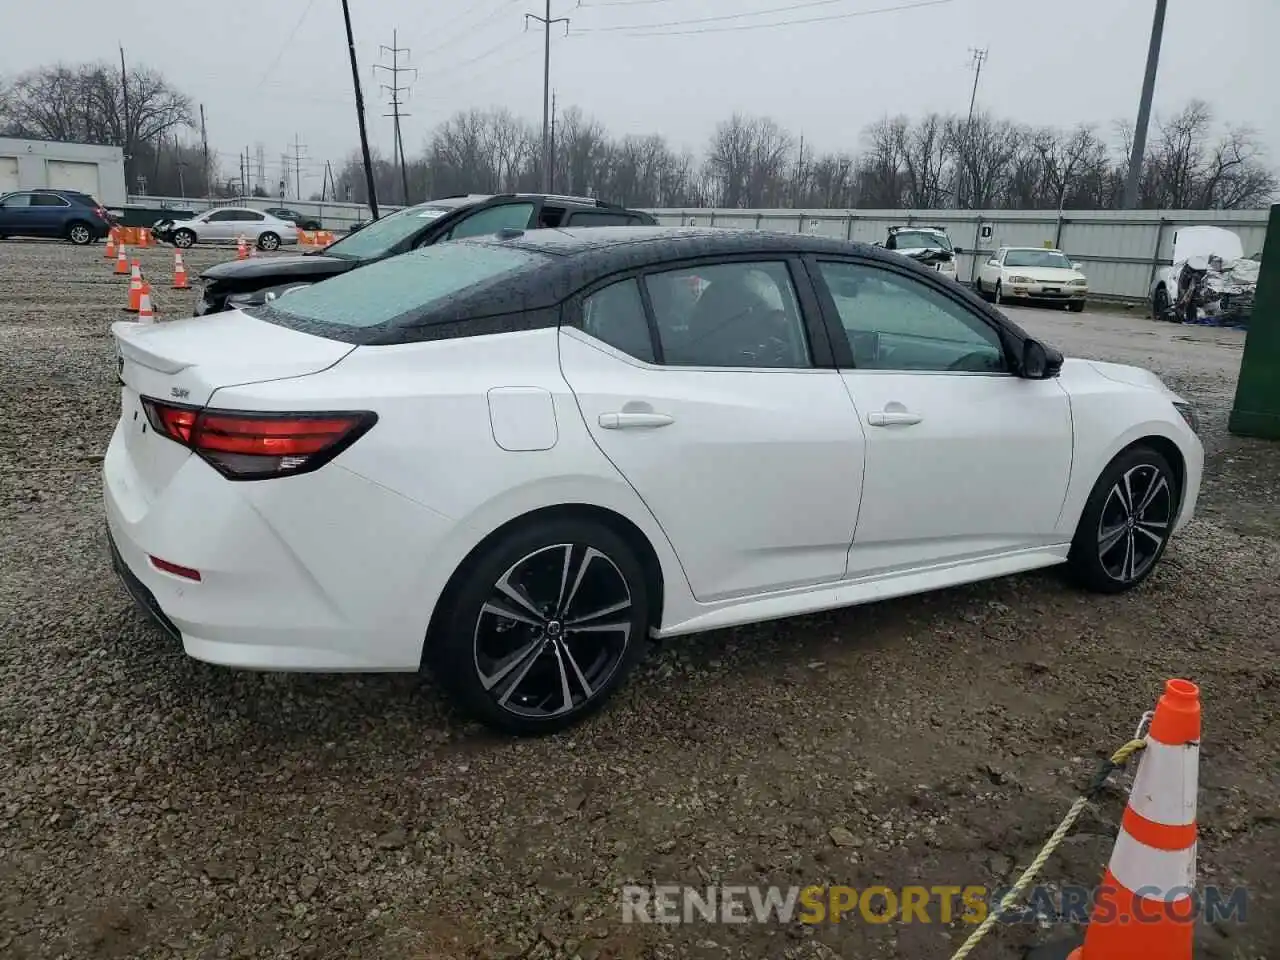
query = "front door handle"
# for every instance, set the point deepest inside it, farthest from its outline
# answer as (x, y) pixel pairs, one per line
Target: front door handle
(891, 418)
(627, 421)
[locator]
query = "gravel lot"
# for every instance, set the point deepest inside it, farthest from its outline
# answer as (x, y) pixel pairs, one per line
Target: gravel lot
(151, 806)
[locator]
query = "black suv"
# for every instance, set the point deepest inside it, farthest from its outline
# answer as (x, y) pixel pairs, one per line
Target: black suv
(246, 283)
(299, 220)
(56, 214)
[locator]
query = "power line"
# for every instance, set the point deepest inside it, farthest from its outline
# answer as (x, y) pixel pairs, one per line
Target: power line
(285, 46)
(765, 26)
(445, 71)
(490, 16)
(719, 18)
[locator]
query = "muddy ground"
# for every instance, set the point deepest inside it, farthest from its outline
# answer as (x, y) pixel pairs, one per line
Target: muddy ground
(152, 806)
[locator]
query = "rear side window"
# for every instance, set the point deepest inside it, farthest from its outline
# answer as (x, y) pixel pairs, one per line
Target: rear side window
(615, 315)
(592, 218)
(392, 288)
(48, 200)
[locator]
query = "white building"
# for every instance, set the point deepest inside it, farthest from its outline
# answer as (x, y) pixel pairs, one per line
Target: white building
(89, 168)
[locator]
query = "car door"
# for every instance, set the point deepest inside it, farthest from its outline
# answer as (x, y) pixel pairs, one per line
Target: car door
(48, 213)
(990, 271)
(220, 225)
(705, 388)
(16, 214)
(250, 223)
(964, 459)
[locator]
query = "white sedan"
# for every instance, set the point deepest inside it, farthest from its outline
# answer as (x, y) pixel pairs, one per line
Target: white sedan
(227, 225)
(1033, 273)
(516, 458)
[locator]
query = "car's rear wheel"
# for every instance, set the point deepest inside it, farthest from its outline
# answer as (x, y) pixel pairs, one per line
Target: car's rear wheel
(1126, 522)
(184, 238)
(80, 234)
(1160, 304)
(269, 241)
(544, 625)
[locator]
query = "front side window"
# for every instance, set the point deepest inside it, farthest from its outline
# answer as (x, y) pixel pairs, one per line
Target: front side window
(895, 322)
(506, 216)
(391, 288)
(615, 315)
(740, 314)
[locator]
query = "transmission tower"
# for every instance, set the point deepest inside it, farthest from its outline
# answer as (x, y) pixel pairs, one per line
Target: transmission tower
(394, 90)
(546, 22)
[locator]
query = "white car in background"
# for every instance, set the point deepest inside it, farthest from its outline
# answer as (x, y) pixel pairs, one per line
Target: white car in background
(227, 225)
(929, 246)
(1033, 273)
(516, 457)
(1210, 276)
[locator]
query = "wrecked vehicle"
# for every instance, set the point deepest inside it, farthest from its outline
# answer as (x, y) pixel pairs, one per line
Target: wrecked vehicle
(1211, 280)
(929, 246)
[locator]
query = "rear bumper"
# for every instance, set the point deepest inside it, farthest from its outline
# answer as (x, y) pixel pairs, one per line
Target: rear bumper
(320, 572)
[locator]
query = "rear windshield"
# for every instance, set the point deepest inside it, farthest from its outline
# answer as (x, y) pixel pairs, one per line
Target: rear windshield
(400, 287)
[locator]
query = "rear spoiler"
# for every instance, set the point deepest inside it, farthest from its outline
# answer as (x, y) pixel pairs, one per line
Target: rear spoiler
(130, 342)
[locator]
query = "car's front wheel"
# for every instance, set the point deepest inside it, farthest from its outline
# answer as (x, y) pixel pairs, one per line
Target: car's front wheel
(1126, 522)
(543, 625)
(269, 241)
(184, 238)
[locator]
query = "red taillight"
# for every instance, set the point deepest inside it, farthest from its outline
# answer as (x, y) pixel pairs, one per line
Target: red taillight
(255, 446)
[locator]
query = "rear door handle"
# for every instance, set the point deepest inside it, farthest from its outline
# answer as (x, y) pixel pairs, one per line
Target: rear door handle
(628, 421)
(890, 418)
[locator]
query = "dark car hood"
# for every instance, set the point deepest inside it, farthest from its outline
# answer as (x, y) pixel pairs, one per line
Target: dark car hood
(268, 267)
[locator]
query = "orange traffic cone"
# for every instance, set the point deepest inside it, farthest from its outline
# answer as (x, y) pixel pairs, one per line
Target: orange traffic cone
(145, 313)
(122, 260)
(242, 251)
(136, 287)
(111, 245)
(180, 281)
(1146, 906)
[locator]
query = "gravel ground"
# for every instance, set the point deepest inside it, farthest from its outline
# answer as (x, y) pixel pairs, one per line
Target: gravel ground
(152, 806)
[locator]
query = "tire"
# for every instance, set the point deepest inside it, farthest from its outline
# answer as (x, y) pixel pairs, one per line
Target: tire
(184, 239)
(80, 233)
(1116, 548)
(1076, 306)
(1160, 303)
(511, 672)
(269, 241)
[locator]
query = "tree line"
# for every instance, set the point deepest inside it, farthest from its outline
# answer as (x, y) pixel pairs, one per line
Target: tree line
(934, 161)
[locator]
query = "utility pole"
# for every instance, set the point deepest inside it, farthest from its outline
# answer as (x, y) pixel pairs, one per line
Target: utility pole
(298, 147)
(124, 90)
(1144, 109)
(204, 141)
(978, 58)
(551, 181)
(799, 181)
(364, 135)
(546, 22)
(394, 90)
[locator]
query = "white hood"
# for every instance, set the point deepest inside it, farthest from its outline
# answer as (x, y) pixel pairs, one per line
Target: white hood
(1206, 242)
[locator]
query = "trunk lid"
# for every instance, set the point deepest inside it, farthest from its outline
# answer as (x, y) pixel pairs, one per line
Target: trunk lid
(183, 362)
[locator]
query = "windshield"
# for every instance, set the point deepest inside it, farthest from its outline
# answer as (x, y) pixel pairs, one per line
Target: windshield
(920, 240)
(1036, 258)
(382, 234)
(399, 286)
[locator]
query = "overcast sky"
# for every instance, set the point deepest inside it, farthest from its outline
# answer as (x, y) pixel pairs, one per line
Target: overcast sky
(267, 70)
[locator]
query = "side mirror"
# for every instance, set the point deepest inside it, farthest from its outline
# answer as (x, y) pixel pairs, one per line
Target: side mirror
(1039, 362)
(993, 262)
(957, 250)
(1077, 266)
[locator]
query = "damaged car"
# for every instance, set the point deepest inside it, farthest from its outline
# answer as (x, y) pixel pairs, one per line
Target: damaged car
(929, 246)
(1210, 281)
